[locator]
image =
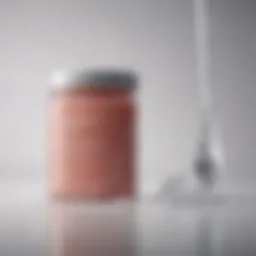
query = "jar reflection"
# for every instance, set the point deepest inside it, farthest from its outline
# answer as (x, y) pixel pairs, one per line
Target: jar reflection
(92, 229)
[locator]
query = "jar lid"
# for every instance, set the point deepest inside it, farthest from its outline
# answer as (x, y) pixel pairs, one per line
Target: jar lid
(95, 79)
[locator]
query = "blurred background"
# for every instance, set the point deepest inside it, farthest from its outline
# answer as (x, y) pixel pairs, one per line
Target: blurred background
(154, 37)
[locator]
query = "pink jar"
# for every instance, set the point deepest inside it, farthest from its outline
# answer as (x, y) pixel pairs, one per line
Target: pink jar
(92, 134)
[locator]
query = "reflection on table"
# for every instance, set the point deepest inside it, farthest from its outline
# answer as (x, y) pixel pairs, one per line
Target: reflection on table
(98, 229)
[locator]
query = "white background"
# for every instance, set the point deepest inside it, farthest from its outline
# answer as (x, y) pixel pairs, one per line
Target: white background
(155, 37)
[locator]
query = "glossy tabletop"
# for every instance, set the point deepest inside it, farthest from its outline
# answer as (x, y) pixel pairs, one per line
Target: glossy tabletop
(32, 224)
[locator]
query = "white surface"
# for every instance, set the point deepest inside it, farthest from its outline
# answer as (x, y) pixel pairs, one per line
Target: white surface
(31, 224)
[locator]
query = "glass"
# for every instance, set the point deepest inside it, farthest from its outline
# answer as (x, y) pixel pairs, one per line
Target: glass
(208, 160)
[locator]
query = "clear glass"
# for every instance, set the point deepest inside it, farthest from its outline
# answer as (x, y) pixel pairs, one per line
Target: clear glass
(208, 160)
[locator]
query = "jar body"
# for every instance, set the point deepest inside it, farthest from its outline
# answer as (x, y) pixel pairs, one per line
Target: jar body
(92, 146)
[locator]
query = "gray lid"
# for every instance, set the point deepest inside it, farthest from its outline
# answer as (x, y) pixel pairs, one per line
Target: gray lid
(93, 79)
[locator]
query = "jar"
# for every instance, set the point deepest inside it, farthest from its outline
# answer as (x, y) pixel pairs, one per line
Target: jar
(92, 134)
